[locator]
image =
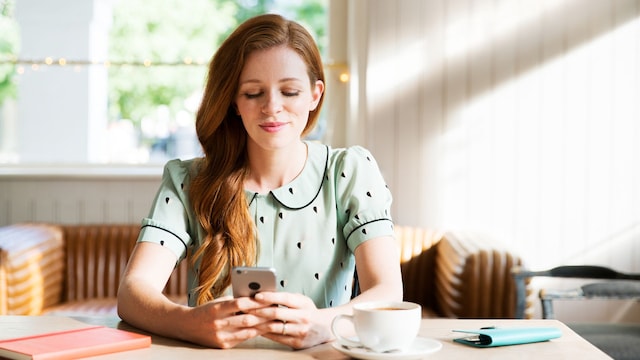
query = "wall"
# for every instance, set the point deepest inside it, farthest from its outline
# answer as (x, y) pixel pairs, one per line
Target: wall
(519, 119)
(77, 194)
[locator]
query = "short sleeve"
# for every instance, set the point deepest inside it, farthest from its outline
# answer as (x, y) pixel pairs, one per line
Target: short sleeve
(363, 197)
(168, 222)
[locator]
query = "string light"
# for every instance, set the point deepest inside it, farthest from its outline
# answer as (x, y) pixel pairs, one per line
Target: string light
(77, 65)
(49, 61)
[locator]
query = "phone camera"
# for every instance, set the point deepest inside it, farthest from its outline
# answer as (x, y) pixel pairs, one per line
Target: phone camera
(254, 285)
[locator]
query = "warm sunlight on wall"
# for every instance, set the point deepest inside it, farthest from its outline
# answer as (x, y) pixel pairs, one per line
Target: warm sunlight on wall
(518, 119)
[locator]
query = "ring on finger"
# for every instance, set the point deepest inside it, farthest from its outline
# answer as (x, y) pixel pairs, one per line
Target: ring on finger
(284, 328)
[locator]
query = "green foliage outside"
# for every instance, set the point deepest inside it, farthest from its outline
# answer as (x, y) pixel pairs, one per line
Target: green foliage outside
(167, 32)
(8, 50)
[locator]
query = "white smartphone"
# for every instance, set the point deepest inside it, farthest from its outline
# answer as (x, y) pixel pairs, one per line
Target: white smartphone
(248, 280)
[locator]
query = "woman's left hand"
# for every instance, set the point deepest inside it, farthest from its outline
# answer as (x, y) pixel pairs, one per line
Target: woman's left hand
(296, 321)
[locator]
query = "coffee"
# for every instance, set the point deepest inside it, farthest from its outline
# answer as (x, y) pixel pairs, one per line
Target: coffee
(388, 308)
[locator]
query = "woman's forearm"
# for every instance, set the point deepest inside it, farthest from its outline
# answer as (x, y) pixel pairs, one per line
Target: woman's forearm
(146, 308)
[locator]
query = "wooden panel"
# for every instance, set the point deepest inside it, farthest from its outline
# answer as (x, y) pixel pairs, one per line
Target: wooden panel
(528, 126)
(381, 87)
(76, 201)
(410, 49)
(428, 196)
(553, 127)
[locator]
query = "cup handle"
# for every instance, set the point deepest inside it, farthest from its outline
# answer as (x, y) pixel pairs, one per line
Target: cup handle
(341, 339)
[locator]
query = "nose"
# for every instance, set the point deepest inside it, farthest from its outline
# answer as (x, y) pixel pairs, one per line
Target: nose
(272, 104)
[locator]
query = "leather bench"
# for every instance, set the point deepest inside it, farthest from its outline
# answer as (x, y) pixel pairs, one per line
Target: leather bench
(76, 269)
(69, 269)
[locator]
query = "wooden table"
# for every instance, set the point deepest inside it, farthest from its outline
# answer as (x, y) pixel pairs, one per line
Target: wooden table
(569, 346)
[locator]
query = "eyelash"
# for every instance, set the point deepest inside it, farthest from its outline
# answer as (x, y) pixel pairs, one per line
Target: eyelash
(285, 93)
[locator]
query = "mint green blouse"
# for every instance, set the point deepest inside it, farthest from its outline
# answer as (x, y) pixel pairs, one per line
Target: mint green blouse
(307, 230)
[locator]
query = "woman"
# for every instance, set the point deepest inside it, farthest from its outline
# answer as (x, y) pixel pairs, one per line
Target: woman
(263, 196)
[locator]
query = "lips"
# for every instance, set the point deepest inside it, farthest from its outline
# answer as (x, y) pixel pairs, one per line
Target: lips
(273, 126)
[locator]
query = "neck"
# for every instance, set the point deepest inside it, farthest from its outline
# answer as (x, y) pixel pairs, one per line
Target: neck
(270, 170)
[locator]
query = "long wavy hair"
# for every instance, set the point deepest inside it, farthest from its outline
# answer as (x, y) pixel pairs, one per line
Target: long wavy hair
(217, 190)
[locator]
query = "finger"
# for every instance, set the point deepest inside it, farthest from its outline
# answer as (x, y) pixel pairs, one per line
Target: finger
(223, 298)
(234, 314)
(278, 328)
(247, 320)
(229, 339)
(277, 314)
(290, 339)
(242, 305)
(283, 298)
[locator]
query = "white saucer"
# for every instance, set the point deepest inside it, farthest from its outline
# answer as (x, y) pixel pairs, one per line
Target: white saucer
(420, 347)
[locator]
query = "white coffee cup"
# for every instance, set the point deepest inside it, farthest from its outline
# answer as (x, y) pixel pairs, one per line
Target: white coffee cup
(382, 326)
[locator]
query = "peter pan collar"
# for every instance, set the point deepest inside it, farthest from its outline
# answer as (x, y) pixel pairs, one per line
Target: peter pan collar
(301, 192)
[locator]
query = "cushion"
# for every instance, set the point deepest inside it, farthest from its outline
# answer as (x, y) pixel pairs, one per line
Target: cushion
(31, 268)
(620, 289)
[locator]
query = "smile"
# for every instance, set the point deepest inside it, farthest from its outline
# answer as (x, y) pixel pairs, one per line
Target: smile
(273, 126)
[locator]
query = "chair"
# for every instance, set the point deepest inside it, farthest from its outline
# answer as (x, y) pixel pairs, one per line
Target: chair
(456, 274)
(620, 341)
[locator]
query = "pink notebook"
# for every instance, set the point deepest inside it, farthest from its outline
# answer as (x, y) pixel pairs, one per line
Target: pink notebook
(72, 344)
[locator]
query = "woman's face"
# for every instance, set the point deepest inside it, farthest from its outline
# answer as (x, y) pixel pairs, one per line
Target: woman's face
(275, 96)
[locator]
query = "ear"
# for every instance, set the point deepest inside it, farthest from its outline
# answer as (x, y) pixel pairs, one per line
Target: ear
(316, 94)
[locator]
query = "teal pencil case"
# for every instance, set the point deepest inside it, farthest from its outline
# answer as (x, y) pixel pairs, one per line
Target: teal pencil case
(492, 337)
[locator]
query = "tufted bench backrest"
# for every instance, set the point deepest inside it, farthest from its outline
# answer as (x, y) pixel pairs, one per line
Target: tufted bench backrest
(417, 262)
(31, 268)
(96, 256)
(457, 274)
(49, 268)
(474, 277)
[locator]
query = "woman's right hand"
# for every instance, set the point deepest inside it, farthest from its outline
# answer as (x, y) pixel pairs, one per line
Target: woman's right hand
(225, 322)
(222, 323)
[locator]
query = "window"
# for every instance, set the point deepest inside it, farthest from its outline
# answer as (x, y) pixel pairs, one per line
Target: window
(115, 82)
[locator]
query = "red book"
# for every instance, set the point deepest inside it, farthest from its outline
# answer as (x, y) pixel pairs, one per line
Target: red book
(73, 344)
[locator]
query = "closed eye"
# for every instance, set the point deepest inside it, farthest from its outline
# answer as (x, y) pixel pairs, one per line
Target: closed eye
(253, 95)
(261, 93)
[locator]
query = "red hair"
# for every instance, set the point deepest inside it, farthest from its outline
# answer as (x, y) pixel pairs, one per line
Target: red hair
(217, 190)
